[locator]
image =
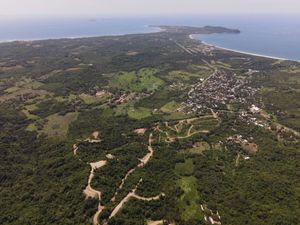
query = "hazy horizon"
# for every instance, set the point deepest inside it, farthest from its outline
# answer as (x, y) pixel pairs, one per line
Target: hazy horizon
(131, 8)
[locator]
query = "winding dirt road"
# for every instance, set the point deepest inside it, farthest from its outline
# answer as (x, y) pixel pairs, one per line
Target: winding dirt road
(142, 163)
(90, 192)
(133, 194)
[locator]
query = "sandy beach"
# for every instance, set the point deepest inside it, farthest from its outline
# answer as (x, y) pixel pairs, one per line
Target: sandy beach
(242, 52)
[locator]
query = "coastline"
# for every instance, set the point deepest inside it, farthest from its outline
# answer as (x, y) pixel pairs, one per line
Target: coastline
(152, 29)
(243, 52)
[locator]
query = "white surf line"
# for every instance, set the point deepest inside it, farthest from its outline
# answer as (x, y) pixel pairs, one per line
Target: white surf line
(242, 52)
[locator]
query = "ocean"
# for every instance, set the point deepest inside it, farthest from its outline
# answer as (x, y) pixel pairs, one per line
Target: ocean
(270, 35)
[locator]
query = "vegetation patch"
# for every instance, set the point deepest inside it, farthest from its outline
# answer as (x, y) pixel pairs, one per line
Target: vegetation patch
(139, 113)
(186, 168)
(138, 81)
(31, 127)
(57, 125)
(178, 75)
(170, 107)
(188, 202)
(89, 99)
(199, 147)
(12, 89)
(27, 111)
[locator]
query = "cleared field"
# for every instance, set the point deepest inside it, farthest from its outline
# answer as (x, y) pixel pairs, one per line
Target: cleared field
(170, 107)
(177, 116)
(12, 89)
(188, 203)
(199, 148)
(186, 168)
(31, 127)
(27, 110)
(139, 113)
(178, 75)
(24, 92)
(205, 124)
(142, 80)
(57, 126)
(89, 99)
(121, 109)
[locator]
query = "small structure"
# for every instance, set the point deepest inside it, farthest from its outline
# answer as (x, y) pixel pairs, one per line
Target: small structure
(101, 93)
(140, 131)
(254, 109)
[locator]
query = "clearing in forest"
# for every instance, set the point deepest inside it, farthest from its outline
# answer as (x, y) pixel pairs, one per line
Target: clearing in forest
(57, 125)
(188, 202)
(137, 81)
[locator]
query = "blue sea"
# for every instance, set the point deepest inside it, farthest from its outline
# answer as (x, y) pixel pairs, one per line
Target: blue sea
(271, 35)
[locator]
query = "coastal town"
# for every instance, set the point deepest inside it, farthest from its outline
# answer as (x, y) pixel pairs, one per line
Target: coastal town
(216, 92)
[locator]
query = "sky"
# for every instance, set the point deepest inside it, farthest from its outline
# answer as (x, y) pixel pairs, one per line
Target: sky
(16, 8)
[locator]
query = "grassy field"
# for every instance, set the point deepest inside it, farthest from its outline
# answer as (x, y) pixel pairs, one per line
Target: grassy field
(178, 75)
(31, 127)
(186, 168)
(57, 126)
(205, 124)
(142, 80)
(199, 147)
(170, 107)
(89, 99)
(139, 113)
(188, 202)
(177, 116)
(12, 89)
(27, 110)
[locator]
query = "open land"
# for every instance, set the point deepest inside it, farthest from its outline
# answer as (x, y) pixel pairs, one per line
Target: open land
(150, 129)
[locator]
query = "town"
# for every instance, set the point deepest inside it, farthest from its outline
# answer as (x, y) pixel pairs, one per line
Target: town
(215, 92)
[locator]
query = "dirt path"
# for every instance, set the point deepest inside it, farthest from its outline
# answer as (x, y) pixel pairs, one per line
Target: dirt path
(142, 163)
(189, 131)
(96, 215)
(124, 200)
(214, 114)
(148, 156)
(192, 134)
(171, 128)
(158, 222)
(157, 197)
(176, 127)
(170, 139)
(133, 194)
(122, 184)
(75, 148)
(91, 192)
(184, 48)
